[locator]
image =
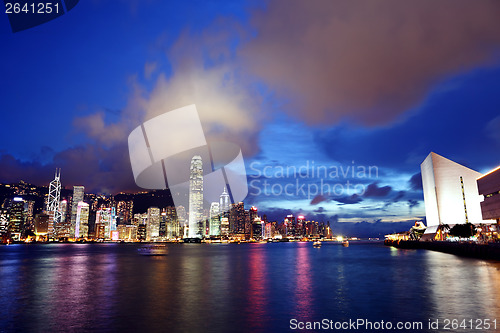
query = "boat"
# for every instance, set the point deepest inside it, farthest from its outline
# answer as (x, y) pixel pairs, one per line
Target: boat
(153, 250)
(345, 243)
(317, 244)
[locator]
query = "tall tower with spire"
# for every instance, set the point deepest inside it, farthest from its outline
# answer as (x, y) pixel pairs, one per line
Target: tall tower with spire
(196, 198)
(224, 201)
(53, 202)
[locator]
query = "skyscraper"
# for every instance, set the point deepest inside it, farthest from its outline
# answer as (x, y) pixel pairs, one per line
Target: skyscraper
(196, 198)
(214, 219)
(224, 201)
(16, 218)
(82, 220)
(153, 223)
(78, 194)
(237, 219)
(53, 202)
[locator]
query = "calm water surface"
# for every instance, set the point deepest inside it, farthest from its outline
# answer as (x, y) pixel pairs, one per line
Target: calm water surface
(242, 288)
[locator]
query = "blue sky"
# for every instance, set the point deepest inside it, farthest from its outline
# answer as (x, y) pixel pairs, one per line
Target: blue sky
(336, 84)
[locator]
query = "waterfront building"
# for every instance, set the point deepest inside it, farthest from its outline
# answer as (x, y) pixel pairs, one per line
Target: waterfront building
(100, 230)
(182, 220)
(107, 216)
(153, 223)
(215, 219)
(4, 221)
(300, 230)
(127, 232)
(163, 224)
(268, 230)
(16, 218)
(172, 223)
(141, 232)
(63, 208)
(257, 229)
(224, 226)
(124, 211)
(82, 220)
(237, 218)
(61, 228)
(42, 224)
(140, 219)
(450, 193)
(489, 186)
(290, 226)
(78, 195)
(196, 221)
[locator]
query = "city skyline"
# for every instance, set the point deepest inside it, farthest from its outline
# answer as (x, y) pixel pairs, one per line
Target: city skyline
(253, 86)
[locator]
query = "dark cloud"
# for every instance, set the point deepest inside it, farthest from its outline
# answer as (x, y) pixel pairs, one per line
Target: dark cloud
(319, 210)
(367, 61)
(435, 127)
(278, 214)
(373, 190)
(413, 203)
(416, 182)
(318, 199)
(400, 195)
(100, 170)
(348, 200)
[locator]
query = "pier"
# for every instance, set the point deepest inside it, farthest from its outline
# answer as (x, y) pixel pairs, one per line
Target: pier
(466, 249)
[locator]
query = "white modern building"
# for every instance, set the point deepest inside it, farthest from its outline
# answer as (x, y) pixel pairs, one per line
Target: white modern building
(196, 229)
(450, 193)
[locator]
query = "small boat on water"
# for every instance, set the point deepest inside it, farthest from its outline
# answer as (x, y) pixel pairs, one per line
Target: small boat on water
(345, 243)
(317, 244)
(153, 250)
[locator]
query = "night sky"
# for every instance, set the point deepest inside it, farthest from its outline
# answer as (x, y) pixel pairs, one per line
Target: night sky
(304, 84)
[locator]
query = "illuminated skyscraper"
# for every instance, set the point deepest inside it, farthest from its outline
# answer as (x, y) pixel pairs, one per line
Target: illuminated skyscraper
(61, 229)
(237, 219)
(16, 218)
(224, 226)
(82, 220)
(182, 218)
(78, 194)
(53, 202)
(172, 225)
(214, 219)
(105, 217)
(28, 215)
(224, 202)
(196, 229)
(153, 223)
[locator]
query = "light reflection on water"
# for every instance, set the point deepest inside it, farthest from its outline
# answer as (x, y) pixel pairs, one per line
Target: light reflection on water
(247, 287)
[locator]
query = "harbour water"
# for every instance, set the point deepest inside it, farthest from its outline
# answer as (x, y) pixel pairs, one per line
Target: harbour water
(240, 287)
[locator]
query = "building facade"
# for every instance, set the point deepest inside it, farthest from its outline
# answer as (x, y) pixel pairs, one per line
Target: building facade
(196, 228)
(489, 186)
(450, 193)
